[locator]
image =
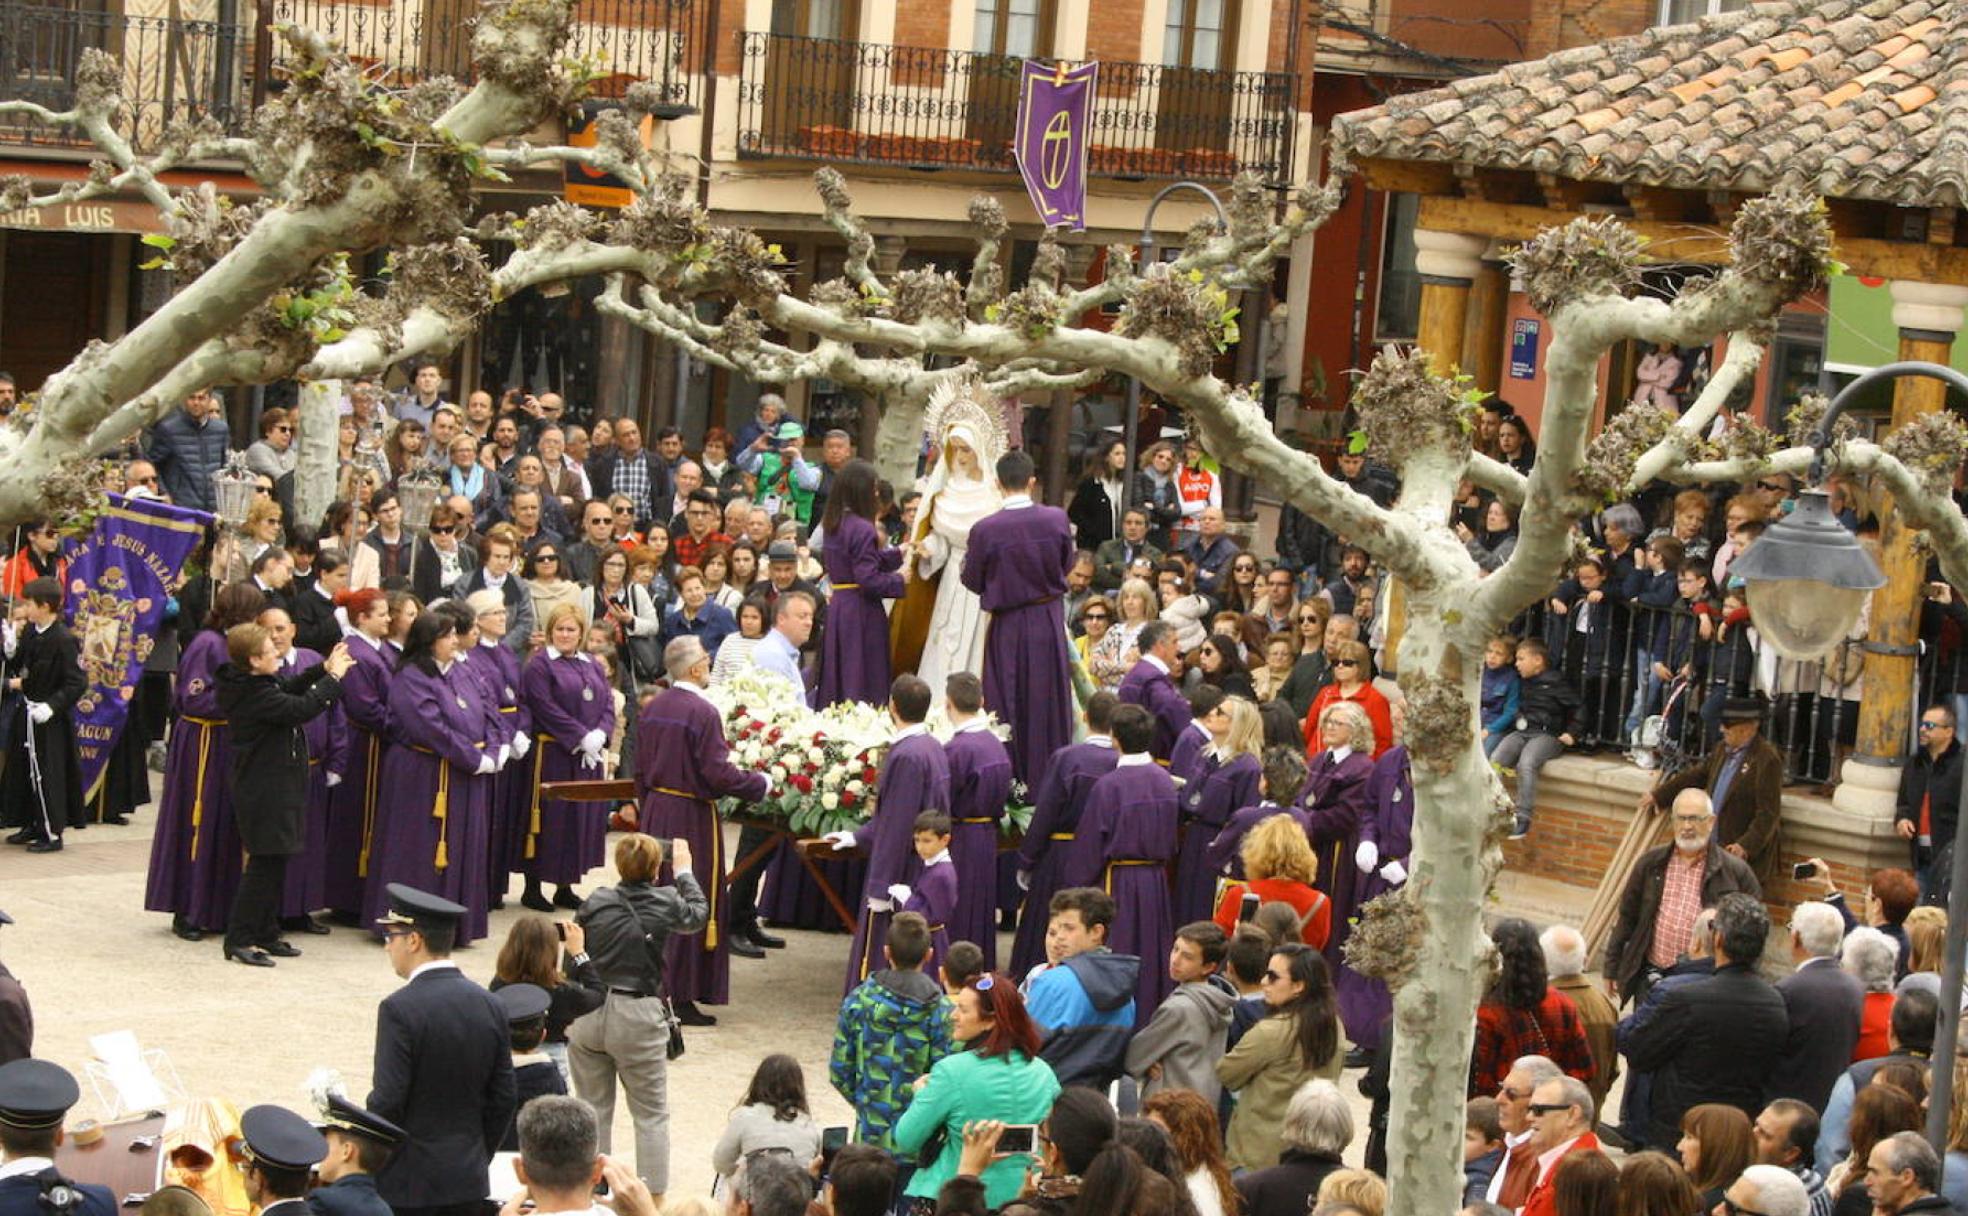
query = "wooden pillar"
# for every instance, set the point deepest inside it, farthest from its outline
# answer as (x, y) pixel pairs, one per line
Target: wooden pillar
(1928, 316)
(1482, 332)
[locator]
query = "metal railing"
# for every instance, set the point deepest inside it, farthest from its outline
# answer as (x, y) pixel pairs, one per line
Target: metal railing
(665, 42)
(923, 108)
(172, 69)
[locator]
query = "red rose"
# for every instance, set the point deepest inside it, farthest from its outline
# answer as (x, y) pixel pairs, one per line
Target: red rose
(803, 783)
(868, 774)
(774, 736)
(850, 800)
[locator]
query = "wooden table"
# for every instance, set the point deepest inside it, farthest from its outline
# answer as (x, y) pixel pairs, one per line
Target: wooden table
(111, 1162)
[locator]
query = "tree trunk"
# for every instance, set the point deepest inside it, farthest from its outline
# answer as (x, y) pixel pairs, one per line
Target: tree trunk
(315, 470)
(899, 437)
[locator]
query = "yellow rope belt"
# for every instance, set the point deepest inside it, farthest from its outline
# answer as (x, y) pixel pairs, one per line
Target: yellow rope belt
(206, 726)
(717, 860)
(369, 805)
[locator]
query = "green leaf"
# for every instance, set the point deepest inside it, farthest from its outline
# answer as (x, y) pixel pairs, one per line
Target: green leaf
(1356, 443)
(154, 264)
(159, 240)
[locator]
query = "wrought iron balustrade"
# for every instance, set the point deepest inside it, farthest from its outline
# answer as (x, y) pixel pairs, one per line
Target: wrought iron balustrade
(923, 108)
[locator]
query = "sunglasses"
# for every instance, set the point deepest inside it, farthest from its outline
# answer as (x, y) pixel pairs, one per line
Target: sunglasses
(1933, 726)
(442, 529)
(1736, 1209)
(1513, 1095)
(143, 481)
(539, 558)
(1096, 616)
(1346, 662)
(284, 430)
(1548, 1108)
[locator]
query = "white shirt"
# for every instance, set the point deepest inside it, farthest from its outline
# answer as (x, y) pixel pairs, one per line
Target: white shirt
(1100, 740)
(690, 686)
(1016, 502)
(18, 1166)
(1159, 665)
(1341, 753)
(1135, 760)
(777, 654)
(971, 726)
(1496, 1180)
(436, 964)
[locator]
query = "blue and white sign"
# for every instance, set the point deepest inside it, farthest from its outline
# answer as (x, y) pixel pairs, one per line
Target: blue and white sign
(1524, 333)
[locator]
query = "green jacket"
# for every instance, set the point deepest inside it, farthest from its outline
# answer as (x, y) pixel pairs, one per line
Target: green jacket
(793, 500)
(893, 1028)
(966, 1087)
(1265, 1069)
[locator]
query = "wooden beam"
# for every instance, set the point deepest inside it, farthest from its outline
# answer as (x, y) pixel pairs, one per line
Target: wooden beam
(1941, 225)
(1408, 176)
(1659, 205)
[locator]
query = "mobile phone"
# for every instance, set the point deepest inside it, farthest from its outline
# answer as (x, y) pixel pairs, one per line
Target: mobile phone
(1019, 1138)
(1803, 870)
(601, 1186)
(560, 929)
(1248, 911)
(832, 1141)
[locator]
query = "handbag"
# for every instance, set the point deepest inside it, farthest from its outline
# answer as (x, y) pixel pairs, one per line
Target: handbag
(674, 1048)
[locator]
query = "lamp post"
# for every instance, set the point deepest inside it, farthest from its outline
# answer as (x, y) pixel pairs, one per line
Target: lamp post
(1807, 582)
(1132, 424)
(416, 493)
(233, 487)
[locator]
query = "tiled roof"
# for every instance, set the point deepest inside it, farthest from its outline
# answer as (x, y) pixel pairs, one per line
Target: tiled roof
(1863, 99)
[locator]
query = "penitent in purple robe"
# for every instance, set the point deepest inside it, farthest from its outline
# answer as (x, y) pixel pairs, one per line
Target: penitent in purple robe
(1124, 845)
(432, 817)
(1016, 566)
(1148, 685)
(1225, 854)
(352, 804)
(1206, 807)
(512, 791)
(915, 777)
(980, 784)
(1056, 807)
(195, 858)
(1335, 801)
(683, 766)
(1364, 1003)
(935, 894)
(567, 696)
(306, 890)
(854, 645)
(1189, 756)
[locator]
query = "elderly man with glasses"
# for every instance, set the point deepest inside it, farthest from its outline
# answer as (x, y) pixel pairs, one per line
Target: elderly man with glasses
(1561, 1114)
(1930, 793)
(1667, 890)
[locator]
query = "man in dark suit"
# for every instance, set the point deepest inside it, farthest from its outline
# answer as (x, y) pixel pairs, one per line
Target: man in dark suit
(1112, 559)
(1825, 1005)
(1744, 781)
(35, 1096)
(1147, 684)
(359, 1146)
(443, 1069)
(16, 1016)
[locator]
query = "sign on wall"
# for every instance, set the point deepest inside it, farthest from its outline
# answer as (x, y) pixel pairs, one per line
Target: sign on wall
(1524, 333)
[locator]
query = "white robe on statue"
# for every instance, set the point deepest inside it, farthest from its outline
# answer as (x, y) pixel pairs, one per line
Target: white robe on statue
(951, 503)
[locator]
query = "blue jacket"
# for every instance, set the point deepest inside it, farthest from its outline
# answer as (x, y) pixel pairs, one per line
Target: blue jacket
(714, 623)
(186, 454)
(1085, 1009)
(1500, 690)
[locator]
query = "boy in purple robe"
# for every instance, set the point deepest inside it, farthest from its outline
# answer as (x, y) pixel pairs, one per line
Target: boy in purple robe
(915, 777)
(1335, 801)
(862, 573)
(1056, 808)
(980, 785)
(934, 894)
(1125, 843)
(512, 786)
(1189, 754)
(573, 710)
(1278, 788)
(1381, 861)
(683, 766)
(1147, 684)
(1016, 566)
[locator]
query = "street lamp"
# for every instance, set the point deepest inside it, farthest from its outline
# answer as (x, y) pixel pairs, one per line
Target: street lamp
(233, 487)
(416, 493)
(1132, 425)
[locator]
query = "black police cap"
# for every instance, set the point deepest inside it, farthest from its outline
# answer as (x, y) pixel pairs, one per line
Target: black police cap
(279, 1138)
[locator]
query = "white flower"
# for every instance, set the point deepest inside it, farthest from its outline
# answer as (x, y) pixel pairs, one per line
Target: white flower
(856, 786)
(778, 772)
(830, 801)
(816, 755)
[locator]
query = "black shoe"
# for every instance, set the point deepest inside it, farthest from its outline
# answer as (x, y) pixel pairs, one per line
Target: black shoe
(251, 956)
(759, 937)
(281, 949)
(498, 902)
(46, 846)
(688, 1014)
(117, 821)
(564, 897)
(536, 901)
(24, 836)
(351, 920)
(303, 924)
(1359, 1057)
(186, 930)
(743, 947)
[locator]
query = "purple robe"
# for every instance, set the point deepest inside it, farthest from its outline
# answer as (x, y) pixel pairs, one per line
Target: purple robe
(1125, 842)
(980, 784)
(195, 858)
(1149, 686)
(1225, 853)
(936, 894)
(352, 804)
(1016, 565)
(854, 645)
(1206, 807)
(306, 890)
(683, 766)
(915, 777)
(1364, 1003)
(1056, 809)
(431, 806)
(1189, 756)
(1335, 801)
(512, 790)
(567, 697)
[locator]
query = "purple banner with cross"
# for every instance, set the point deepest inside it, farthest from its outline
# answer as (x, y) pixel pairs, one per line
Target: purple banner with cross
(119, 581)
(1055, 129)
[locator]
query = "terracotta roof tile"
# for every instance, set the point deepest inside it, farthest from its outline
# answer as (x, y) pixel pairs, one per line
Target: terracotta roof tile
(1860, 98)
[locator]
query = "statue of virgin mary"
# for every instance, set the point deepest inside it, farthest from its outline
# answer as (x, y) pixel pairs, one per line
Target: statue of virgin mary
(966, 428)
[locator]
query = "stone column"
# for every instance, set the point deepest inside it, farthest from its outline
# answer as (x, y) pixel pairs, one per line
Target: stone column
(1928, 315)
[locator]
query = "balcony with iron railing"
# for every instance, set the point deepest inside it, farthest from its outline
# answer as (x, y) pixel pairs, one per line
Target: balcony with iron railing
(927, 109)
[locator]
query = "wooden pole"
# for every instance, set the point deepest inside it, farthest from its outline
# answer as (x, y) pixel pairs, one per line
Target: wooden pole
(1482, 334)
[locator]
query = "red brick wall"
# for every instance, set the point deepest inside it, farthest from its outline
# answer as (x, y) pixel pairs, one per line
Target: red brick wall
(1557, 24)
(731, 28)
(1114, 29)
(922, 23)
(1465, 29)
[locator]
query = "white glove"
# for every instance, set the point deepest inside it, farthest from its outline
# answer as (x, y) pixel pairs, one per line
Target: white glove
(1024, 880)
(8, 637)
(899, 893)
(505, 754)
(842, 841)
(590, 759)
(880, 905)
(38, 712)
(334, 779)
(593, 741)
(1394, 872)
(1367, 856)
(487, 765)
(522, 744)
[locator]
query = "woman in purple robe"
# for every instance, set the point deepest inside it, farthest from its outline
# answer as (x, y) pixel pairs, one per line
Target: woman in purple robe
(1283, 778)
(1231, 773)
(365, 707)
(1335, 802)
(512, 791)
(431, 815)
(1380, 865)
(195, 858)
(862, 573)
(567, 694)
(306, 889)
(1124, 845)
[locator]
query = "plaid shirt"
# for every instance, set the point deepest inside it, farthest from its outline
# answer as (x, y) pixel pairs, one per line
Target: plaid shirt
(632, 481)
(689, 551)
(1506, 1034)
(1681, 903)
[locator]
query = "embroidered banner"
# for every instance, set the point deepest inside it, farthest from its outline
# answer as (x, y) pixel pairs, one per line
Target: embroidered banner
(1055, 120)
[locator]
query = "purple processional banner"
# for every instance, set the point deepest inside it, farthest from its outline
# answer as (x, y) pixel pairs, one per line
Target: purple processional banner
(1055, 127)
(118, 581)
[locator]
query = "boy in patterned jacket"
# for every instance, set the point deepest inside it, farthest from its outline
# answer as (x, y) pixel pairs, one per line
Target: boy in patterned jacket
(893, 1026)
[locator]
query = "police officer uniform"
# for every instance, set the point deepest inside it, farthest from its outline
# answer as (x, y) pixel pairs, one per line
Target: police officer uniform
(276, 1139)
(353, 1194)
(35, 1097)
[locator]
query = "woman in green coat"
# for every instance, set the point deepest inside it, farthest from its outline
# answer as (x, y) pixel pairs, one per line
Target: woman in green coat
(1000, 1077)
(1297, 1040)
